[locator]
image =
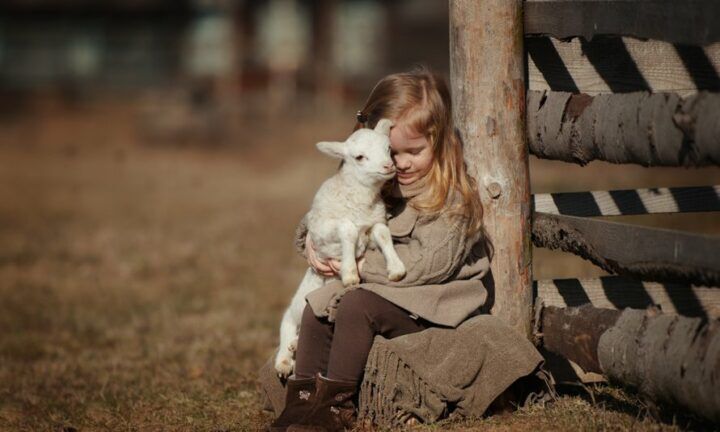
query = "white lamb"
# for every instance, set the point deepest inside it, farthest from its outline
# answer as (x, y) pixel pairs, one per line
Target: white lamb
(346, 214)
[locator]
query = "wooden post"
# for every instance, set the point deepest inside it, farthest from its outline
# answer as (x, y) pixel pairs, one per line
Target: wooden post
(487, 80)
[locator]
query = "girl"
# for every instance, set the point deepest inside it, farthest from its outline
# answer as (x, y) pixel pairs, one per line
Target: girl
(436, 223)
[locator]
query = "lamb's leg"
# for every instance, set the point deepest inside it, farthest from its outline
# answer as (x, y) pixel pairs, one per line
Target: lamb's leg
(284, 362)
(380, 234)
(290, 323)
(348, 234)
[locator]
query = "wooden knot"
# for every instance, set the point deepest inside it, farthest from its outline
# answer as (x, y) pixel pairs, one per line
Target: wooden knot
(490, 128)
(494, 190)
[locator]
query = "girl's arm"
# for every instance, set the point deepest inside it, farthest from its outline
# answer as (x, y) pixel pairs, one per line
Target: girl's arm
(434, 253)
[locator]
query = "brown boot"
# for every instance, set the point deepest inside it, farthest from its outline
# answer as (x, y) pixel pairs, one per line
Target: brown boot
(333, 409)
(298, 400)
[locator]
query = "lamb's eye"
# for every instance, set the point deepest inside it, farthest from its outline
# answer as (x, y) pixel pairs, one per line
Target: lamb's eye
(359, 158)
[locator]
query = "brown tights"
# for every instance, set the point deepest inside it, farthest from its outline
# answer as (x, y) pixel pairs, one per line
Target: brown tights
(339, 350)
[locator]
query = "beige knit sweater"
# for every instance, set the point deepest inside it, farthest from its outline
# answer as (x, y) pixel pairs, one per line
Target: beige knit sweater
(444, 266)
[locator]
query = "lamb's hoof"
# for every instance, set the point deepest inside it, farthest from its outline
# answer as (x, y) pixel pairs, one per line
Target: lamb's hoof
(292, 346)
(396, 274)
(351, 279)
(284, 367)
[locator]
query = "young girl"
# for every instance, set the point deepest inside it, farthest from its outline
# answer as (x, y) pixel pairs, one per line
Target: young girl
(436, 224)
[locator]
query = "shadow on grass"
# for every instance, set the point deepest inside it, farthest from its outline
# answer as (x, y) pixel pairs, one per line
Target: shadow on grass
(627, 401)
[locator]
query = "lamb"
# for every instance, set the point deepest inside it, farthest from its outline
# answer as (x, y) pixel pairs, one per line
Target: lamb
(346, 215)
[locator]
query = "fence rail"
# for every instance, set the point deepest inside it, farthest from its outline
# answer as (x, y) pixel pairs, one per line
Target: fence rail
(638, 128)
(630, 250)
(668, 358)
(692, 22)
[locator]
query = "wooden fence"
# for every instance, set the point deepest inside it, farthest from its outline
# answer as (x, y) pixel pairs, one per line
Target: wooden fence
(622, 81)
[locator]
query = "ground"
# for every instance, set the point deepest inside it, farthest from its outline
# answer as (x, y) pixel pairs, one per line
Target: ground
(142, 283)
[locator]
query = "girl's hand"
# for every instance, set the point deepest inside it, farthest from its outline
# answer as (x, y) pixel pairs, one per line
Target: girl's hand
(326, 268)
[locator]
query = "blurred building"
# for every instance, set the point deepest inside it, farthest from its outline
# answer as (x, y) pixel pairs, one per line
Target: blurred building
(89, 44)
(126, 44)
(190, 69)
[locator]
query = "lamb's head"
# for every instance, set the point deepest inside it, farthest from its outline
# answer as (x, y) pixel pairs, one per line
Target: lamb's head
(365, 154)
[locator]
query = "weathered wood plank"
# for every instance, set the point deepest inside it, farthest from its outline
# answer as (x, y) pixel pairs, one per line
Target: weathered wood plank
(630, 201)
(692, 22)
(640, 252)
(487, 79)
(639, 128)
(615, 292)
(575, 332)
(621, 65)
(668, 358)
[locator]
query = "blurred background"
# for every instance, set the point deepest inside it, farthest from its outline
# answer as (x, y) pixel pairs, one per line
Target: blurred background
(219, 60)
(155, 157)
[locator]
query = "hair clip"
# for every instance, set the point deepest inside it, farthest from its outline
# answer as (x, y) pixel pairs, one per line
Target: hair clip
(361, 117)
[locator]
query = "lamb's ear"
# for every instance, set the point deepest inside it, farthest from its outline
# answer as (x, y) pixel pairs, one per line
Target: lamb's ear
(332, 148)
(383, 126)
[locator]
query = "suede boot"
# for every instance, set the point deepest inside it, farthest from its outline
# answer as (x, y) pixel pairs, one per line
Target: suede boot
(333, 409)
(298, 400)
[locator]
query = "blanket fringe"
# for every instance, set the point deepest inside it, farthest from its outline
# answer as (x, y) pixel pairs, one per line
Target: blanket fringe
(392, 393)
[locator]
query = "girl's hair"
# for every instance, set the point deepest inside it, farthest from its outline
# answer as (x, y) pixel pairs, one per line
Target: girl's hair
(421, 100)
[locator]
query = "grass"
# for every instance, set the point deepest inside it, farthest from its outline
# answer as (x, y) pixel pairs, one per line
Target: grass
(142, 286)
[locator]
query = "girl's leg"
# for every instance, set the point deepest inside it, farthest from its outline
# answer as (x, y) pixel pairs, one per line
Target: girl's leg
(313, 348)
(360, 316)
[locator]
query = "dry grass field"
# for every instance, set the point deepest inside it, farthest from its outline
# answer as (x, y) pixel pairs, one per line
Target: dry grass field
(142, 284)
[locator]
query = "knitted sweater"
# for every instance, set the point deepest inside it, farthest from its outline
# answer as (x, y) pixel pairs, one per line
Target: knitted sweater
(444, 266)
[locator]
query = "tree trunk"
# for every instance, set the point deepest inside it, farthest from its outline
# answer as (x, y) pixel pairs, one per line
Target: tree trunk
(487, 80)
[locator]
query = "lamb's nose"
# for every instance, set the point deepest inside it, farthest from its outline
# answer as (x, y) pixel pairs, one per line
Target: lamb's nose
(389, 166)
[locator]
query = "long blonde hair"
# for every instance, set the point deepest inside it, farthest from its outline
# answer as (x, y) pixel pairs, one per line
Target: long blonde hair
(421, 99)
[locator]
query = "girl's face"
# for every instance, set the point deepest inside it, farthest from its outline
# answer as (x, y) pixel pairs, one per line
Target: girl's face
(411, 152)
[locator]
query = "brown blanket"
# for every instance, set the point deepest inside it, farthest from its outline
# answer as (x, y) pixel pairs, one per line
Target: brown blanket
(430, 373)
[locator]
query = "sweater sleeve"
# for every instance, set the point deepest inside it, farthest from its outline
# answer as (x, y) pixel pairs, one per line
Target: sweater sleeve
(300, 234)
(435, 251)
